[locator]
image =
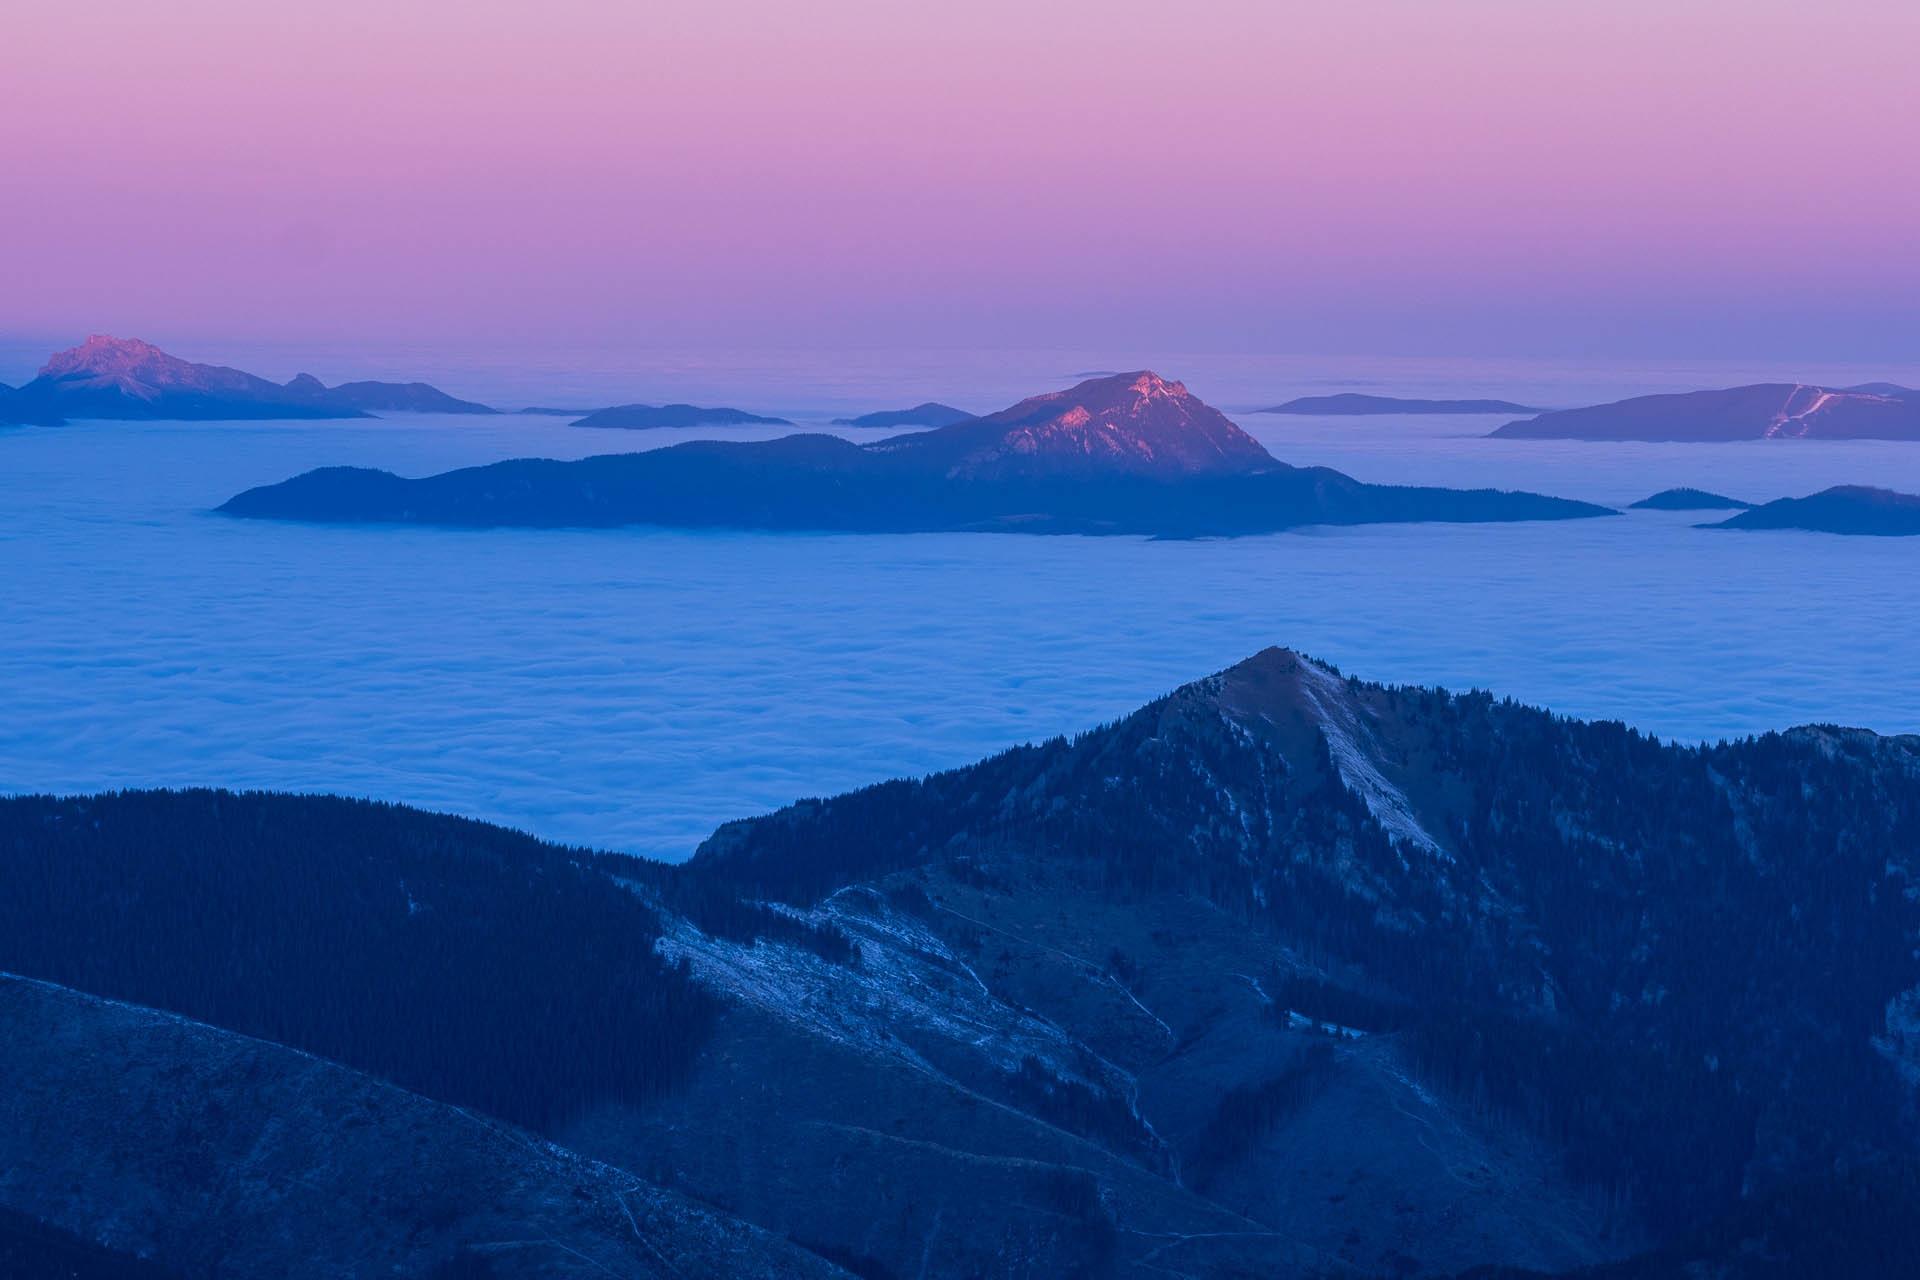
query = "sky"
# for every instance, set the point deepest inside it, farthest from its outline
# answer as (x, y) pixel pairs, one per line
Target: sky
(1689, 178)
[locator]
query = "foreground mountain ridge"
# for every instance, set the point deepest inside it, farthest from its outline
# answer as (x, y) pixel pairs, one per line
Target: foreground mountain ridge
(236, 1156)
(1283, 974)
(1124, 454)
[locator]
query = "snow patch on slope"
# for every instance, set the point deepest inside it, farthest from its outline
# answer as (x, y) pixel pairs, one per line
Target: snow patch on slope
(1348, 741)
(908, 995)
(1901, 1044)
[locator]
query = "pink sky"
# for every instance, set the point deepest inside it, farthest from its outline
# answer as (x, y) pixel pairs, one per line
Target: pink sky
(1480, 176)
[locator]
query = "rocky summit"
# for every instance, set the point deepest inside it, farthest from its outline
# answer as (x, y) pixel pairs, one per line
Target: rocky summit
(1136, 424)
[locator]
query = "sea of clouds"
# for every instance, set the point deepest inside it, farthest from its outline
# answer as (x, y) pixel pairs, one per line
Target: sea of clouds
(631, 689)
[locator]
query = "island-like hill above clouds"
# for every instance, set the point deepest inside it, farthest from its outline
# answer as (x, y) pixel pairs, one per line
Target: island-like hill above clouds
(1893, 389)
(1688, 500)
(642, 417)
(930, 414)
(124, 378)
(1133, 453)
(1848, 508)
(15, 410)
(1353, 404)
(1763, 411)
(1122, 424)
(1283, 974)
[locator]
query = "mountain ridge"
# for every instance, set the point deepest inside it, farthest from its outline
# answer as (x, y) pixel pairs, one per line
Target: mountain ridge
(223, 1153)
(1282, 973)
(126, 378)
(1129, 454)
(1760, 411)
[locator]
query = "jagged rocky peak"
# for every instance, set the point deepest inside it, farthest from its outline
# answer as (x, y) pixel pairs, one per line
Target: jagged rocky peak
(1131, 423)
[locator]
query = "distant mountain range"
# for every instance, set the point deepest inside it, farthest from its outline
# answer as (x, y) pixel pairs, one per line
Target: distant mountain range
(1852, 508)
(1764, 411)
(1352, 404)
(1688, 500)
(930, 414)
(1283, 974)
(124, 378)
(1132, 453)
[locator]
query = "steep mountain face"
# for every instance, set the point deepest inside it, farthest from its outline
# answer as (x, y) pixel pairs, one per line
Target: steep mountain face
(1284, 974)
(1133, 424)
(1765, 411)
(1848, 508)
(121, 378)
(199, 1152)
(1132, 454)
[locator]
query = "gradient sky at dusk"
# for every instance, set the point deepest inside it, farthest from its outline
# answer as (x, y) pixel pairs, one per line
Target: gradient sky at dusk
(1476, 177)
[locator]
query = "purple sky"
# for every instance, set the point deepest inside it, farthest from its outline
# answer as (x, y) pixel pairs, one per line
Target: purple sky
(1479, 177)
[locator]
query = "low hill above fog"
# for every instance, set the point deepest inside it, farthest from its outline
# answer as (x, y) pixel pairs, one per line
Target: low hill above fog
(930, 414)
(1689, 500)
(1851, 509)
(642, 417)
(1353, 404)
